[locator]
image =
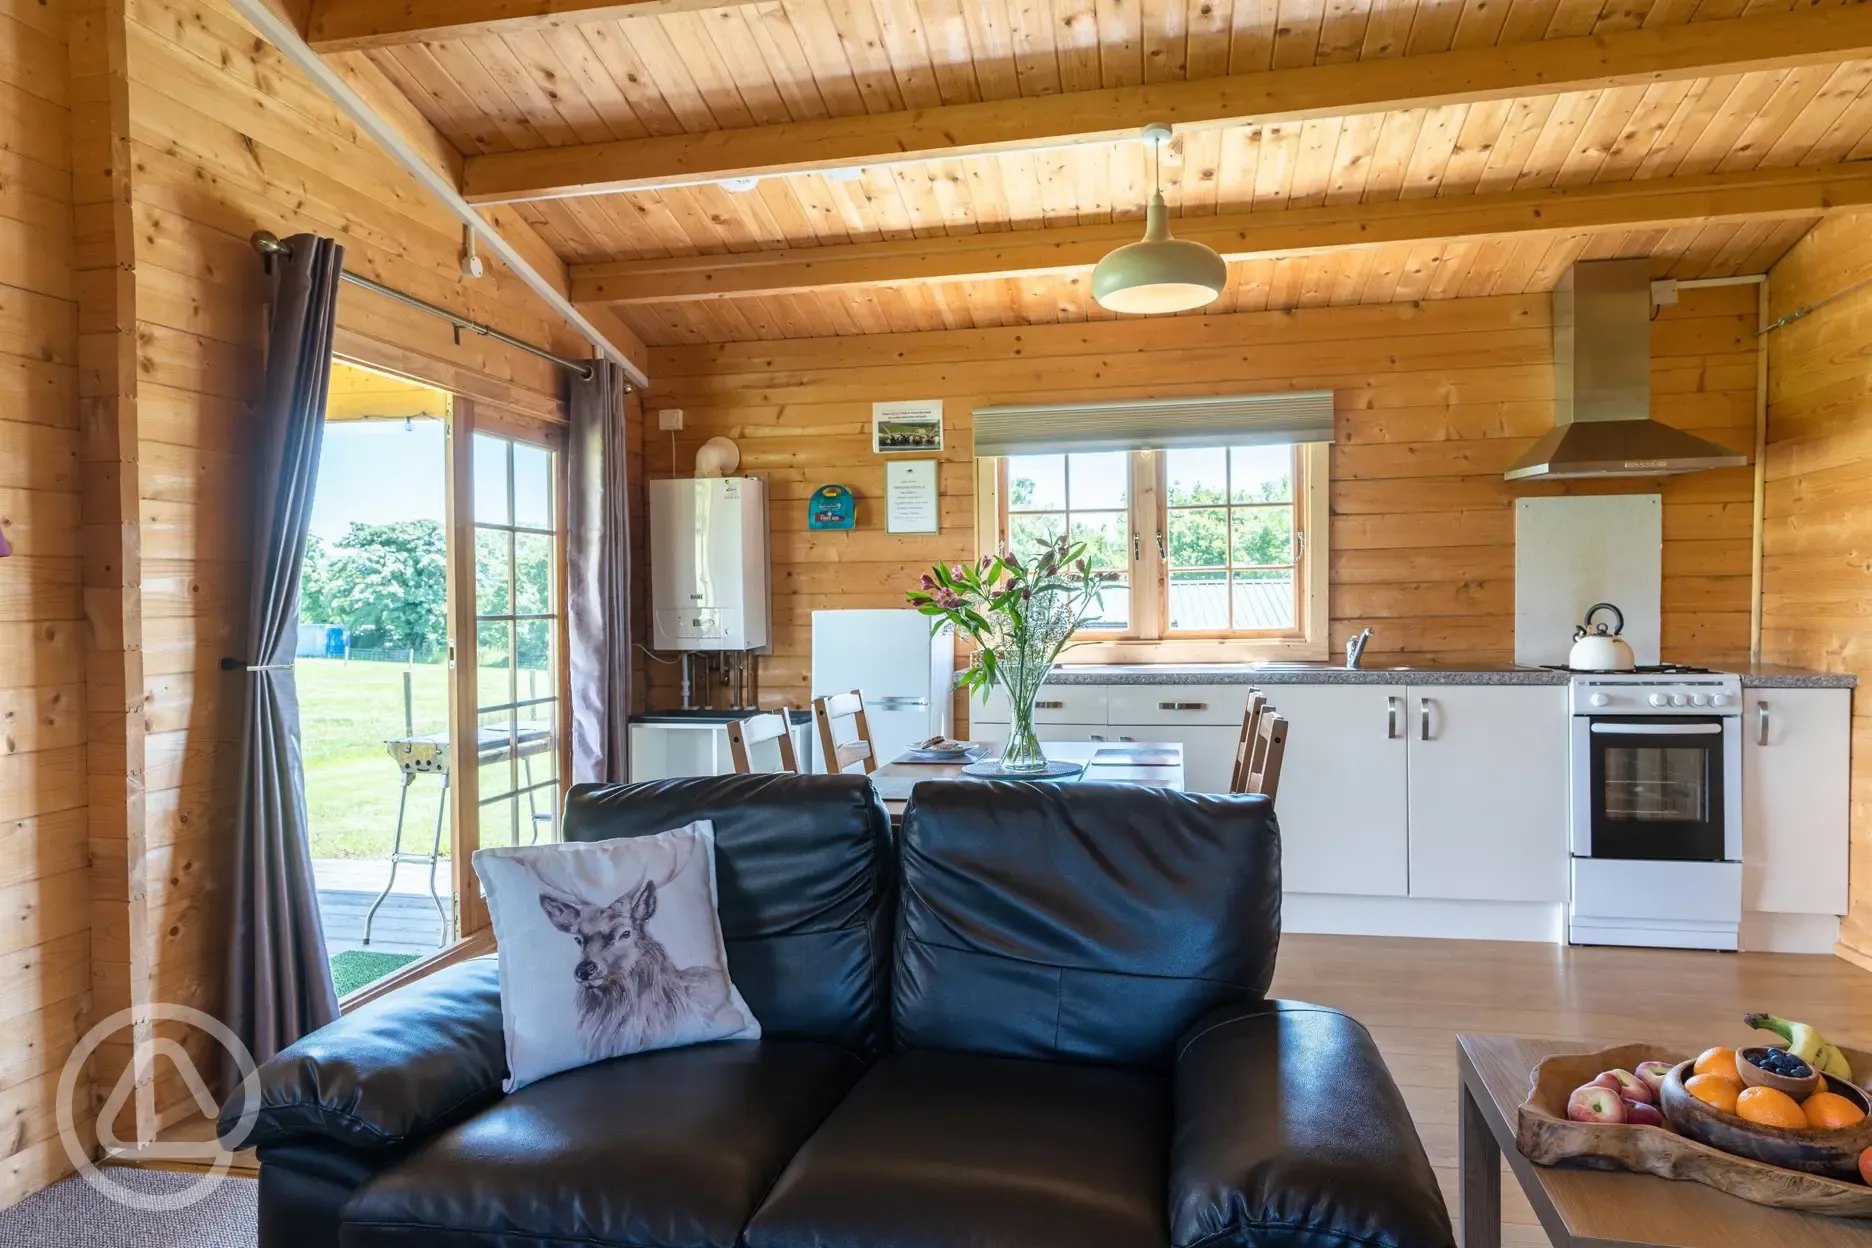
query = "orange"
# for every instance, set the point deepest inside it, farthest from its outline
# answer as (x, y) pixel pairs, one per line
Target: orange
(1719, 1061)
(1769, 1108)
(1828, 1111)
(1715, 1090)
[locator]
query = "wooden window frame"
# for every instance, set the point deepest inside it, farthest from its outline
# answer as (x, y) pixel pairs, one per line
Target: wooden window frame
(465, 705)
(1149, 638)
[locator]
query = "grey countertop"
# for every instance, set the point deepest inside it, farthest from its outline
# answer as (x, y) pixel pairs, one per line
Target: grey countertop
(1762, 677)
(1772, 676)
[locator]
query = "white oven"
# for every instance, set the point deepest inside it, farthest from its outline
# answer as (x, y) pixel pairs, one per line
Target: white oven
(1656, 810)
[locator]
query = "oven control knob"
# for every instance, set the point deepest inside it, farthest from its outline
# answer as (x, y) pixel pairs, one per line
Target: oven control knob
(1719, 699)
(1696, 699)
(1678, 699)
(1658, 699)
(1599, 699)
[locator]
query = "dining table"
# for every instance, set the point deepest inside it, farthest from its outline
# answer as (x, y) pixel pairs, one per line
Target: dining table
(1155, 764)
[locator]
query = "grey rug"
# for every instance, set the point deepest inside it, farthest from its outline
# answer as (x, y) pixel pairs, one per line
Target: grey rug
(71, 1214)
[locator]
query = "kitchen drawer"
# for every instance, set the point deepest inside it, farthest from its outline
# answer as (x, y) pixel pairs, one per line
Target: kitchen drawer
(1057, 704)
(1214, 705)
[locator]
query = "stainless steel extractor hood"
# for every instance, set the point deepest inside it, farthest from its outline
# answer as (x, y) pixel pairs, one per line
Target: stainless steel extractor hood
(1602, 385)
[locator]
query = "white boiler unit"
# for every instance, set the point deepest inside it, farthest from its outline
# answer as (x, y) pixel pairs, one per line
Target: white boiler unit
(708, 563)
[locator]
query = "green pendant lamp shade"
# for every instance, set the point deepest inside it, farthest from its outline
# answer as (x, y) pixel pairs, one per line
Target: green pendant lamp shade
(1160, 273)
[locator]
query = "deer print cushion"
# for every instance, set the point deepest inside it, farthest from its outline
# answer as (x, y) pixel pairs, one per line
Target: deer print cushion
(608, 948)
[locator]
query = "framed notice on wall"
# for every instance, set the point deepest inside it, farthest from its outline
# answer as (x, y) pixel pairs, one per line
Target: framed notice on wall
(910, 501)
(913, 425)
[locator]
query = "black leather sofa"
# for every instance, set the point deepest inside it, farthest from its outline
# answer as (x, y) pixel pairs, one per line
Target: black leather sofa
(1036, 1021)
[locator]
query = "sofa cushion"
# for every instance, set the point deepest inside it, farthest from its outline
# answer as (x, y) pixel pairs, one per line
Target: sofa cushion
(609, 948)
(806, 890)
(1089, 922)
(669, 1149)
(932, 1150)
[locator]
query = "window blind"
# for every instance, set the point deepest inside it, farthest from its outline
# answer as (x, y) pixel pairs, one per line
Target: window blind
(1152, 424)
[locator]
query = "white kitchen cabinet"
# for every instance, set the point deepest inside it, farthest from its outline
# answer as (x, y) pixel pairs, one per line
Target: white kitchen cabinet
(1342, 803)
(1796, 776)
(1487, 778)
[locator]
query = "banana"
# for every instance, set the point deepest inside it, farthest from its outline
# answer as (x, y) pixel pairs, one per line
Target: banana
(1802, 1040)
(1833, 1062)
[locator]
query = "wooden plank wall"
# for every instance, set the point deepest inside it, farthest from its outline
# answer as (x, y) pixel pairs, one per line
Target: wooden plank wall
(1434, 401)
(1816, 581)
(224, 138)
(44, 918)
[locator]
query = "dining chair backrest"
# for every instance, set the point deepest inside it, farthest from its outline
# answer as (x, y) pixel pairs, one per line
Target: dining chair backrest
(1270, 747)
(841, 754)
(1244, 749)
(745, 734)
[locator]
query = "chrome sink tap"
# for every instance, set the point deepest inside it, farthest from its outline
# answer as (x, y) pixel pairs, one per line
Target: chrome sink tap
(1355, 649)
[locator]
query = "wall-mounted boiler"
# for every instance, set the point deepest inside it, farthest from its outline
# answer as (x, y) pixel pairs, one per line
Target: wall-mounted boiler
(708, 564)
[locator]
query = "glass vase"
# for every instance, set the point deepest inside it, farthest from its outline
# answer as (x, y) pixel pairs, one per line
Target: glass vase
(1021, 677)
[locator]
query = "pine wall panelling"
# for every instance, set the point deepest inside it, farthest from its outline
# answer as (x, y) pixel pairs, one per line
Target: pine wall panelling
(44, 916)
(1816, 580)
(191, 133)
(1434, 399)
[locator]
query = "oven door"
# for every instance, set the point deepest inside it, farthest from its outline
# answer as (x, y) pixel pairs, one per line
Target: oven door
(1658, 788)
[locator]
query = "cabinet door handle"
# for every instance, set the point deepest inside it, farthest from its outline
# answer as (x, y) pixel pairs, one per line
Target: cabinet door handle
(1049, 706)
(1423, 718)
(1182, 706)
(1394, 711)
(1127, 738)
(1093, 736)
(1761, 723)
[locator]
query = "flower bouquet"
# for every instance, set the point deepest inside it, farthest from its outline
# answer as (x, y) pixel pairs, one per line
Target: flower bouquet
(1020, 615)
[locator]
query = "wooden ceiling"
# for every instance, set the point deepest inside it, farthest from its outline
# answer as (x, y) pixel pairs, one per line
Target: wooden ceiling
(806, 80)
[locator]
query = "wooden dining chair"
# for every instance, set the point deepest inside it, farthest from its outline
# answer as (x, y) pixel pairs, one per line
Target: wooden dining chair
(841, 754)
(1270, 747)
(745, 734)
(1244, 749)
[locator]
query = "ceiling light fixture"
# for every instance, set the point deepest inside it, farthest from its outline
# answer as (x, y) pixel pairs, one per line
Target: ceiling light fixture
(1160, 273)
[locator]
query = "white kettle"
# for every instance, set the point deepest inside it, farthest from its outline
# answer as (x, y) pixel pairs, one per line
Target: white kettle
(1595, 649)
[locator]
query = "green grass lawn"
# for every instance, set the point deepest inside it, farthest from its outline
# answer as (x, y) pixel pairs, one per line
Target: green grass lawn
(346, 713)
(347, 710)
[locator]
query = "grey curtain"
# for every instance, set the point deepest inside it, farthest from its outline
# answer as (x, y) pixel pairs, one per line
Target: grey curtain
(279, 982)
(598, 575)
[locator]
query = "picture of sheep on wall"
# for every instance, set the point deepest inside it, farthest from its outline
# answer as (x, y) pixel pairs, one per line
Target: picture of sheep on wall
(609, 948)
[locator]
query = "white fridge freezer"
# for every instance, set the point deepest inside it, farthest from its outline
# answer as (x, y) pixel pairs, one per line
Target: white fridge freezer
(906, 674)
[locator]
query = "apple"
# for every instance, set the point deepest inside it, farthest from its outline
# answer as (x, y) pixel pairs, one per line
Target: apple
(1595, 1103)
(1627, 1085)
(1642, 1114)
(1654, 1074)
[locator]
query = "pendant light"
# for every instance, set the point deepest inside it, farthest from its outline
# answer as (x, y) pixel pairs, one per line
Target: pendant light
(1159, 274)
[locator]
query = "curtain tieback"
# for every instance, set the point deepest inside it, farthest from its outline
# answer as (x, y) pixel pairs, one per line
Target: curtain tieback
(235, 665)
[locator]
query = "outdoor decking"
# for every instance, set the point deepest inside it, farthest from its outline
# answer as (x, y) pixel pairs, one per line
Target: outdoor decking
(407, 920)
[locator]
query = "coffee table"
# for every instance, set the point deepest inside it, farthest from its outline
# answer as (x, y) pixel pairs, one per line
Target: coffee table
(1581, 1208)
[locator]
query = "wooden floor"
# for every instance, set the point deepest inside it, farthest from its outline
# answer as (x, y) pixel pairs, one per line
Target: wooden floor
(1417, 995)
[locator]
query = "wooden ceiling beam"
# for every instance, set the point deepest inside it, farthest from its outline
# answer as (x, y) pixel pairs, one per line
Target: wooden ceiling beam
(1808, 36)
(353, 25)
(1237, 236)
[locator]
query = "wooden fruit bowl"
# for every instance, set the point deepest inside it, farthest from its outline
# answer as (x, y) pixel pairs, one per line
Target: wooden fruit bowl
(1832, 1153)
(1546, 1136)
